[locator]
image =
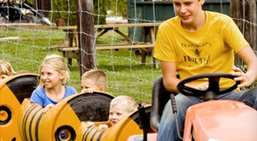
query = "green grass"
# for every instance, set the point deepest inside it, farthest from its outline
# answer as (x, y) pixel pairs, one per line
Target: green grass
(126, 75)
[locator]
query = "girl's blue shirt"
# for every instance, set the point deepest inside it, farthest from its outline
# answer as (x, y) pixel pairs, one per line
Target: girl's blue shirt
(39, 96)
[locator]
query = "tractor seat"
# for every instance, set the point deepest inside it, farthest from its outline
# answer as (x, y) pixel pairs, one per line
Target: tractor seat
(160, 96)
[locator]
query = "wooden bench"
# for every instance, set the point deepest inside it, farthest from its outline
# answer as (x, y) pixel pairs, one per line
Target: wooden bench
(33, 26)
(146, 46)
(73, 52)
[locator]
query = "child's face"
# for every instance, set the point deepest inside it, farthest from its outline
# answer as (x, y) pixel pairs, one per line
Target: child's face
(50, 77)
(86, 84)
(116, 113)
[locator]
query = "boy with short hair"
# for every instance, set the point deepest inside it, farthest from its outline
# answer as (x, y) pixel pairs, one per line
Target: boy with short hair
(93, 80)
(120, 106)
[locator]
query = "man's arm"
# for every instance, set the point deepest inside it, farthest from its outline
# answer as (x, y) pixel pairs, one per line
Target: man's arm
(248, 56)
(170, 79)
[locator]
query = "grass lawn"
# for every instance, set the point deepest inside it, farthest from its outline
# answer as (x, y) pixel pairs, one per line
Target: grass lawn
(126, 74)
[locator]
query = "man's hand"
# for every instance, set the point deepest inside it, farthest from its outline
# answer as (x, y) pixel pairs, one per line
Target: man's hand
(244, 79)
(202, 86)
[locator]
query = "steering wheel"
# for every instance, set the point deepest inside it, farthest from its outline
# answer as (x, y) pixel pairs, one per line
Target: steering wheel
(213, 79)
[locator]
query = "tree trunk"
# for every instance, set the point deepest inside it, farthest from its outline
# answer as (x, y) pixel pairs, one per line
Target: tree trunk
(244, 14)
(86, 35)
(44, 5)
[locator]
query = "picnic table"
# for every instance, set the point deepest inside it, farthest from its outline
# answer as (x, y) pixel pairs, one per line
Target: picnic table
(72, 51)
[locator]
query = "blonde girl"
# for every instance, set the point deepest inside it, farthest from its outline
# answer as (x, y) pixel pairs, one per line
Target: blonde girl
(54, 75)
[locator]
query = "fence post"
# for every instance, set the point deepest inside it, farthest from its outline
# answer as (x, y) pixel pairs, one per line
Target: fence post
(85, 33)
(244, 14)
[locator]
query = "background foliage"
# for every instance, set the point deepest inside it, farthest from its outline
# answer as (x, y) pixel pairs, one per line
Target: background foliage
(126, 75)
(66, 9)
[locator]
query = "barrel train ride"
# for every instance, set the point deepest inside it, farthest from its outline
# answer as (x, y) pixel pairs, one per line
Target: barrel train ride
(22, 120)
(66, 120)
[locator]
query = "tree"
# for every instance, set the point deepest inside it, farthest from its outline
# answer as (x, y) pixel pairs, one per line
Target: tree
(120, 6)
(67, 9)
(245, 10)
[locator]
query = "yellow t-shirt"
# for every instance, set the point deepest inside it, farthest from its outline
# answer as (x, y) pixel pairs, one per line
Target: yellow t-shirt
(211, 49)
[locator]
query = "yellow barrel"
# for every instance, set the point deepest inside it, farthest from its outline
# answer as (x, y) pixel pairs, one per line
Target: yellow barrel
(121, 131)
(12, 92)
(62, 121)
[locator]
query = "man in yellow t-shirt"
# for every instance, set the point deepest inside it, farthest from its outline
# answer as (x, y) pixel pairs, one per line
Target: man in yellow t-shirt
(196, 42)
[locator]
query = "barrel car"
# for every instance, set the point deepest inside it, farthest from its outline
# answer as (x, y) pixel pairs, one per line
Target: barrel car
(13, 90)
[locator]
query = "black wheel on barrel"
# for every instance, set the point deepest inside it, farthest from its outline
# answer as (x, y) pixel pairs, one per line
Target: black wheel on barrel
(5, 115)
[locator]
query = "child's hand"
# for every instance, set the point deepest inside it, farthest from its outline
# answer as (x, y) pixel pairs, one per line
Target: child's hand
(88, 90)
(48, 107)
(90, 124)
(102, 127)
